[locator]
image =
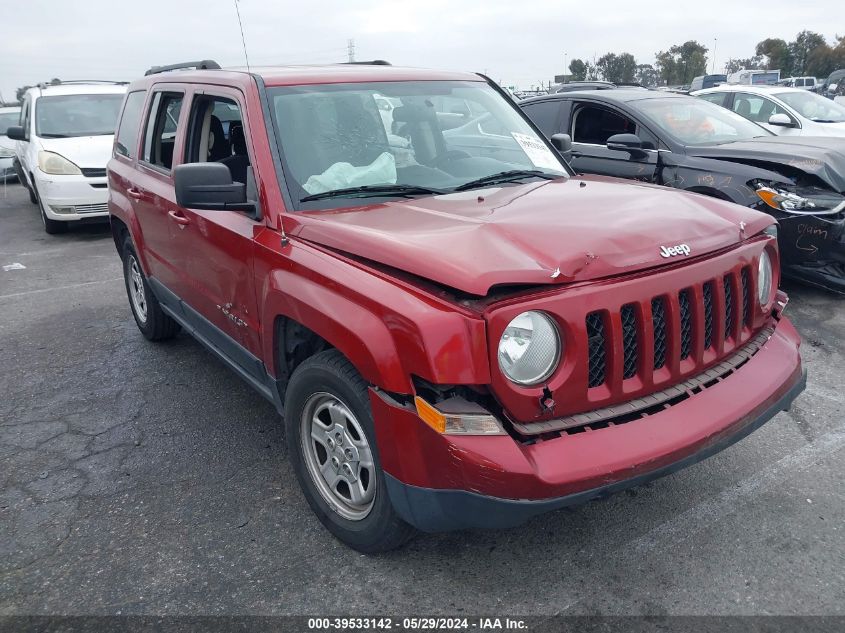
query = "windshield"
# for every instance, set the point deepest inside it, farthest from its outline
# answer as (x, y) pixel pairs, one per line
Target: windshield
(402, 137)
(813, 106)
(7, 120)
(77, 115)
(694, 121)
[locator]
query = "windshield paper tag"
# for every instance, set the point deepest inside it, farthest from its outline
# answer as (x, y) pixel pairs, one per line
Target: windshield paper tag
(537, 152)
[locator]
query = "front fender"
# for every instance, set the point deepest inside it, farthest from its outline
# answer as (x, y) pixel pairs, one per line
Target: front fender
(728, 178)
(388, 329)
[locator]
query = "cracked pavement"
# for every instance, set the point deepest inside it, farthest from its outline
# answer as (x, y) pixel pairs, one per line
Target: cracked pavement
(142, 478)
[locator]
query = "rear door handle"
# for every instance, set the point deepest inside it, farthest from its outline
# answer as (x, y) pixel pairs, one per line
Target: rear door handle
(134, 194)
(177, 217)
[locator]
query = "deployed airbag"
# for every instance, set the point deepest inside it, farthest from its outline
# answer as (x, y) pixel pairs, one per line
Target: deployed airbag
(382, 171)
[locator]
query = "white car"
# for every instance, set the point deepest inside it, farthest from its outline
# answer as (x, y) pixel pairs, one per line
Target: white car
(784, 111)
(64, 141)
(8, 117)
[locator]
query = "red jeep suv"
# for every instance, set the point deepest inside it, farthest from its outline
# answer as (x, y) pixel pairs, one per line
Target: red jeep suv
(458, 330)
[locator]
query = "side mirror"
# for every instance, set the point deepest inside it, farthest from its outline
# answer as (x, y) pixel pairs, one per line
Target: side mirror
(209, 186)
(780, 119)
(630, 143)
(625, 143)
(15, 133)
(561, 142)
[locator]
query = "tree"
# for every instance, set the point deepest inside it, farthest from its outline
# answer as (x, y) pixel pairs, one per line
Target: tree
(805, 44)
(777, 54)
(578, 69)
(646, 75)
(620, 68)
(681, 63)
(20, 92)
(749, 63)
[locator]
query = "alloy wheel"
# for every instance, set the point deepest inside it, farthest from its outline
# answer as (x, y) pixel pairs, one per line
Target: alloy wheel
(338, 456)
(136, 289)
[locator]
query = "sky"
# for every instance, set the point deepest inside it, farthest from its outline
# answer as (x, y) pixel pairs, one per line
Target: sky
(517, 43)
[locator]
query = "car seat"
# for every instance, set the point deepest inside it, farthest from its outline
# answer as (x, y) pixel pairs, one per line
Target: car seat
(766, 111)
(239, 160)
(218, 144)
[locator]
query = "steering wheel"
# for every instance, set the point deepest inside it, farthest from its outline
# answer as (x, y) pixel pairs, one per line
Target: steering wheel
(450, 155)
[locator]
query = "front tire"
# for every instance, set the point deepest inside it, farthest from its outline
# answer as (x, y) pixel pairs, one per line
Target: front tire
(25, 182)
(51, 227)
(154, 324)
(331, 441)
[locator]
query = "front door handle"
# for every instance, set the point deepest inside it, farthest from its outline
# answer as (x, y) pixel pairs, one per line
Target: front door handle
(135, 194)
(180, 219)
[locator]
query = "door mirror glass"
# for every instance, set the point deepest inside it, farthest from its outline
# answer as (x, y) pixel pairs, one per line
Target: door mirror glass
(209, 186)
(781, 120)
(15, 133)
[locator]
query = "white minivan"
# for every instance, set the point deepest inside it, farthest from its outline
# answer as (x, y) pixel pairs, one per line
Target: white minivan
(64, 141)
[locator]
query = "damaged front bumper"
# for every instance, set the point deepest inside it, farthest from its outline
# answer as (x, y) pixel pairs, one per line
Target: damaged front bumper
(812, 249)
(438, 482)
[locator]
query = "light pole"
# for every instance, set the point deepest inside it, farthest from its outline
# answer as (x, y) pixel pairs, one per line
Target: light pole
(564, 68)
(713, 68)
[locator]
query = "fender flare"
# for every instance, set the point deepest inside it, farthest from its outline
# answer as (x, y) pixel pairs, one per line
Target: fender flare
(389, 333)
(126, 215)
(361, 336)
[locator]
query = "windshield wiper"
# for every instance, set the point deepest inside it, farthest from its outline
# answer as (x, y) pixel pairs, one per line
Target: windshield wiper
(511, 175)
(49, 135)
(368, 191)
(824, 121)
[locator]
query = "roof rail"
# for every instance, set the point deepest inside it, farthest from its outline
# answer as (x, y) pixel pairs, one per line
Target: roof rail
(374, 62)
(204, 64)
(62, 82)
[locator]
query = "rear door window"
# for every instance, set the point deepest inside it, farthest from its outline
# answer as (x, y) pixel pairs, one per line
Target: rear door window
(162, 126)
(126, 141)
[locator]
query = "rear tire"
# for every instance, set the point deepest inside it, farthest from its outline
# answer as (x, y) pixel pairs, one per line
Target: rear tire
(337, 462)
(154, 324)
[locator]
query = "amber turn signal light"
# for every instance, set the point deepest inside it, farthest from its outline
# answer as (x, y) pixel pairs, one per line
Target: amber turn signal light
(457, 423)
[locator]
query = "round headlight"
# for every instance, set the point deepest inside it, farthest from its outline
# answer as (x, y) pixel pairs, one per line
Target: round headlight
(764, 278)
(529, 349)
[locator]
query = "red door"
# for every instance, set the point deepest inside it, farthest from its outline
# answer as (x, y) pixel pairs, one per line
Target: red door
(213, 250)
(152, 193)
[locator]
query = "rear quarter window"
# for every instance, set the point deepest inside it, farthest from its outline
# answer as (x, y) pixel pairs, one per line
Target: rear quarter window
(126, 141)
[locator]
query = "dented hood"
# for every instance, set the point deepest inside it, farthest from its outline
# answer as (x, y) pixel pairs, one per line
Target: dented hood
(548, 232)
(817, 155)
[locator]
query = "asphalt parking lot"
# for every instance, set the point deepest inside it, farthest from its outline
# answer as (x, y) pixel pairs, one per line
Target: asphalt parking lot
(143, 478)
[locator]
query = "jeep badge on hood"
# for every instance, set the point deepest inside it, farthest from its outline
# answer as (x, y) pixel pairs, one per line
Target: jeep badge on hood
(671, 251)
